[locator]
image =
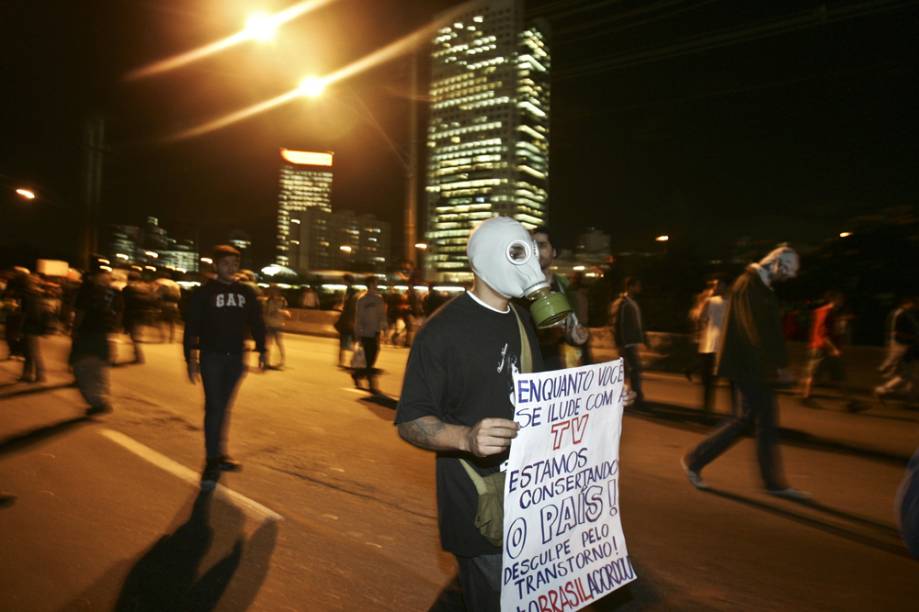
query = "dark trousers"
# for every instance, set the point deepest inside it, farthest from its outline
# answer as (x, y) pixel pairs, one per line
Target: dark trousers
(632, 361)
(33, 368)
(758, 406)
(132, 327)
(371, 351)
(220, 374)
(480, 579)
(710, 384)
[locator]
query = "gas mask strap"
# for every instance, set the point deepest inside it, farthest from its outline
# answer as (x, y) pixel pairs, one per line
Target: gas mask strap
(526, 354)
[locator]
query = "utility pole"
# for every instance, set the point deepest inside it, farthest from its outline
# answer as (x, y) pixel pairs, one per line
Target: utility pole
(93, 158)
(411, 174)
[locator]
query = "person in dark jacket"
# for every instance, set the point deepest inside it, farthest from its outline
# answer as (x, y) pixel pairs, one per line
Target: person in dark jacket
(96, 311)
(344, 325)
(33, 328)
(217, 317)
(753, 356)
(629, 336)
(138, 301)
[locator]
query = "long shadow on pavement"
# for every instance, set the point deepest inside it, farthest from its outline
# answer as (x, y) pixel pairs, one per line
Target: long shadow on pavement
(35, 436)
(690, 419)
(169, 575)
(891, 545)
(33, 388)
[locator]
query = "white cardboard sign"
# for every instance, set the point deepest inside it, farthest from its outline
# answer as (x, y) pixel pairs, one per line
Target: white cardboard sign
(563, 542)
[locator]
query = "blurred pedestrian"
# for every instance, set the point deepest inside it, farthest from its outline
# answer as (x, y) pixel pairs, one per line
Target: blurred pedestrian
(309, 298)
(711, 326)
(344, 325)
(562, 346)
(138, 301)
(95, 315)
(276, 315)
(33, 328)
(825, 351)
(629, 335)
(901, 364)
(369, 324)
(432, 301)
(12, 306)
(754, 356)
(168, 296)
(219, 314)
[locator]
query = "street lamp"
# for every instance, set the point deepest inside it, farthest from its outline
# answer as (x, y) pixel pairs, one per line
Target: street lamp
(25, 194)
(311, 87)
(662, 238)
(261, 27)
(845, 234)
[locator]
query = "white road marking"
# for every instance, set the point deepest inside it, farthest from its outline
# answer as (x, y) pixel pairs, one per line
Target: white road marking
(190, 476)
(355, 390)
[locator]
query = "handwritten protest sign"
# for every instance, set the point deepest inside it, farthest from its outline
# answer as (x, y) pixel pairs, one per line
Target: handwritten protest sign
(563, 541)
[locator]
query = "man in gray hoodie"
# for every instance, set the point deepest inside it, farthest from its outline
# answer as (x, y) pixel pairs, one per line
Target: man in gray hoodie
(369, 322)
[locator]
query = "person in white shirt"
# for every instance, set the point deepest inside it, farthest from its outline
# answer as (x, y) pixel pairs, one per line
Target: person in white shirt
(711, 324)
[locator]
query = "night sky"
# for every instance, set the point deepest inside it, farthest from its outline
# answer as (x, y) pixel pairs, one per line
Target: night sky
(707, 120)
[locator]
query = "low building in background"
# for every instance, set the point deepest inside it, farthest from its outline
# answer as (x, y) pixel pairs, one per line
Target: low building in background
(323, 240)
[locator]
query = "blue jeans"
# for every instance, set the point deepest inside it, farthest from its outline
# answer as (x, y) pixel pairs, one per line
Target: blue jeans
(758, 407)
(220, 374)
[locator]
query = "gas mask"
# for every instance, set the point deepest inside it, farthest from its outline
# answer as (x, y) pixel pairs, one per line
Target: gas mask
(502, 253)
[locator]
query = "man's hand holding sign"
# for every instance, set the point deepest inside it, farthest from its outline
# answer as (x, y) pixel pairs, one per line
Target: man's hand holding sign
(563, 542)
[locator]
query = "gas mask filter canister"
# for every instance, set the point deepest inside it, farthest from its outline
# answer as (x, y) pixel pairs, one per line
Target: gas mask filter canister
(504, 255)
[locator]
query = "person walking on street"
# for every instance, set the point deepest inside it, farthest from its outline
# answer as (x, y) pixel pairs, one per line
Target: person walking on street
(33, 328)
(753, 355)
(562, 346)
(95, 315)
(901, 365)
(369, 323)
(276, 314)
(825, 351)
(217, 317)
(456, 396)
(629, 336)
(137, 300)
(711, 326)
(344, 325)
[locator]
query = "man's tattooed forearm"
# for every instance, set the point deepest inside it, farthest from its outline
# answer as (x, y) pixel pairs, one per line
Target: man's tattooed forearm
(423, 431)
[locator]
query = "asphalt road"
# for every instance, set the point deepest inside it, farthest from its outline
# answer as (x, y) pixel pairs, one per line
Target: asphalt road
(334, 512)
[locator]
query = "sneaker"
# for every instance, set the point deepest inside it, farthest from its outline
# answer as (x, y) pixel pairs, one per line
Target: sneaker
(695, 478)
(227, 464)
(356, 379)
(98, 409)
(790, 494)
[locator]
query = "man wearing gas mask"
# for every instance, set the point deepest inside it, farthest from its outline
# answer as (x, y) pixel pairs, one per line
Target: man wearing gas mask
(562, 345)
(456, 395)
(752, 354)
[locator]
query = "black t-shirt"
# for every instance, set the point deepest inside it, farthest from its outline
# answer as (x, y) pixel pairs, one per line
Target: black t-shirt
(460, 371)
(218, 315)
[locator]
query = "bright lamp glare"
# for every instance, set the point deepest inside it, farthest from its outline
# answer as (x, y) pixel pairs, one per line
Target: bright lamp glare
(261, 27)
(311, 87)
(663, 238)
(26, 194)
(845, 234)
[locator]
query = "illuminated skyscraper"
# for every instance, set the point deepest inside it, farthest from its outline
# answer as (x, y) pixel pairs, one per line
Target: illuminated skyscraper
(488, 137)
(306, 182)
